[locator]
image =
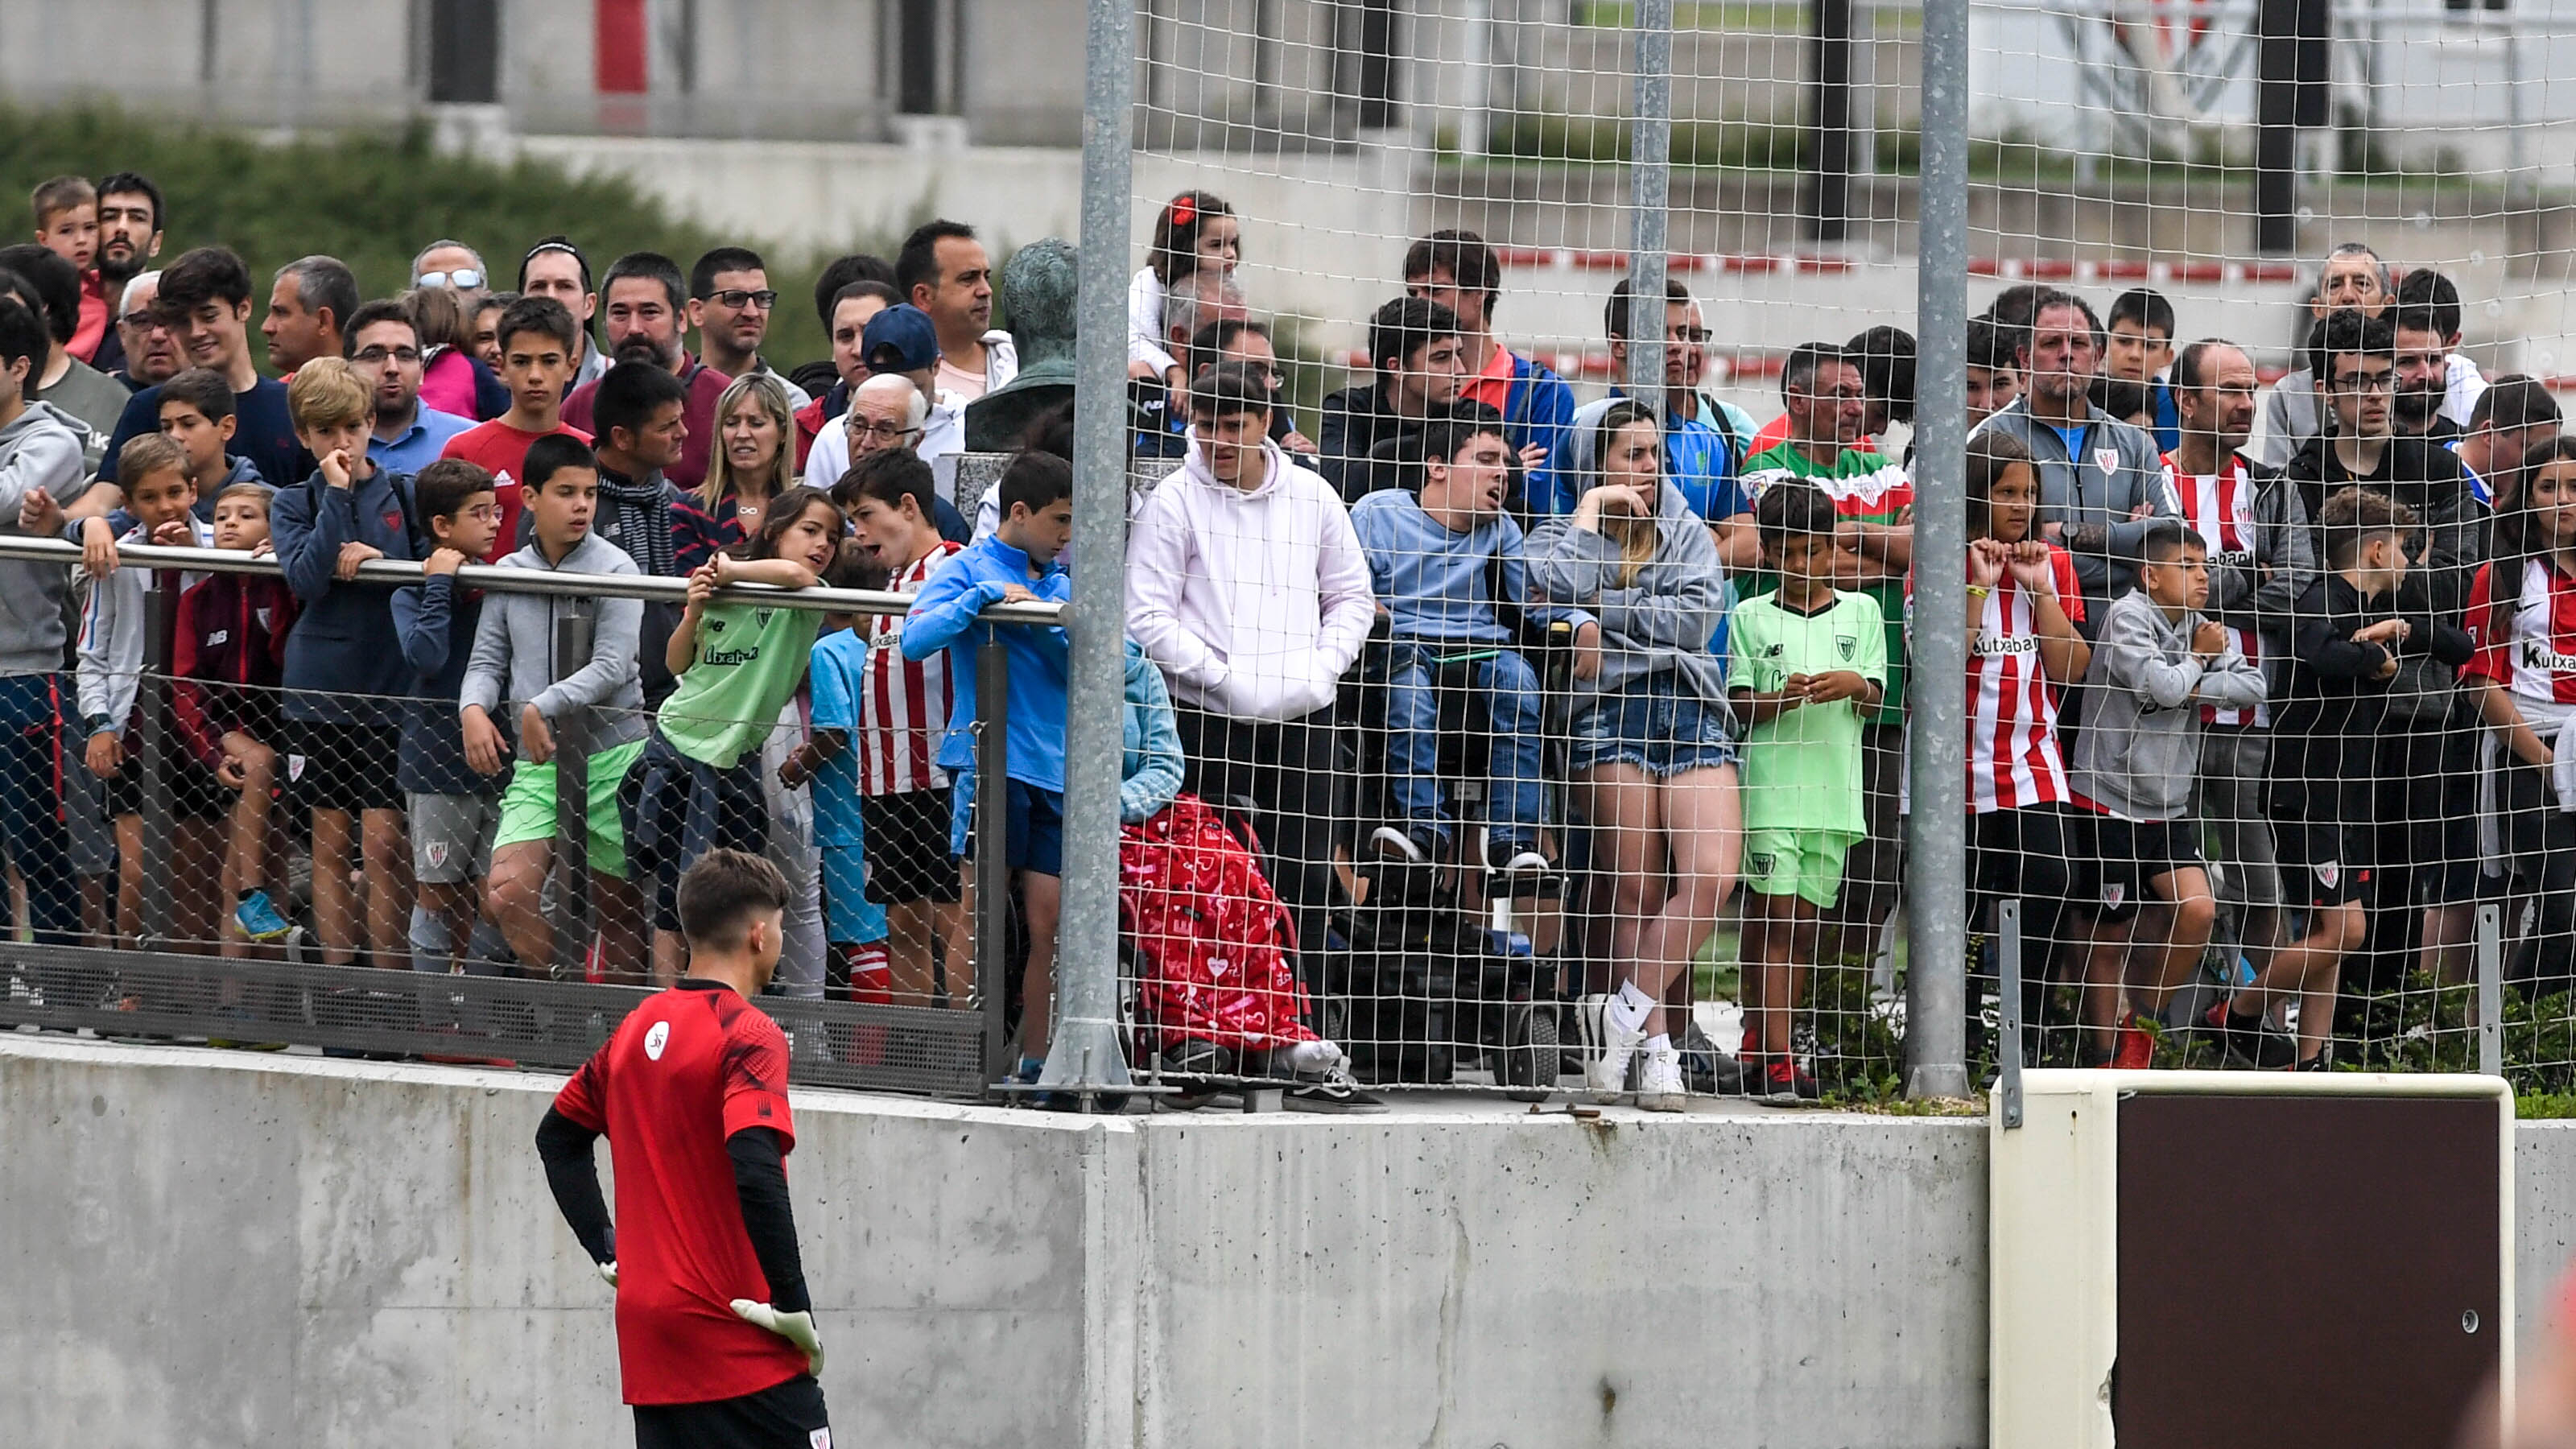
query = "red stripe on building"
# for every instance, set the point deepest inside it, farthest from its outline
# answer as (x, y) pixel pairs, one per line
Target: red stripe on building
(619, 48)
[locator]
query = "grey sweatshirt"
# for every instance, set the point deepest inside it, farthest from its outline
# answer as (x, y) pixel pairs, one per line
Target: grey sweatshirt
(40, 450)
(1661, 624)
(2074, 492)
(514, 648)
(2140, 746)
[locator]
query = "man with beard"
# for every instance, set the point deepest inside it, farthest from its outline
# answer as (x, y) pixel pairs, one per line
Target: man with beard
(2261, 558)
(2426, 811)
(2100, 480)
(384, 350)
(2422, 375)
(2438, 297)
(646, 299)
(2514, 414)
(150, 354)
(730, 303)
(129, 237)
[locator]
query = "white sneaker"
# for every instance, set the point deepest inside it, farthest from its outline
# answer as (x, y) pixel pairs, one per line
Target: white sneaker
(1623, 1032)
(1659, 1081)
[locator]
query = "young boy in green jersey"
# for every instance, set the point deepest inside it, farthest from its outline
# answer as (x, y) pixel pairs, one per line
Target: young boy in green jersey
(1806, 664)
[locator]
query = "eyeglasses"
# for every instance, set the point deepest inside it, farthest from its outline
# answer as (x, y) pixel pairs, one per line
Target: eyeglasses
(143, 320)
(884, 432)
(463, 279)
(764, 299)
(375, 356)
(2365, 381)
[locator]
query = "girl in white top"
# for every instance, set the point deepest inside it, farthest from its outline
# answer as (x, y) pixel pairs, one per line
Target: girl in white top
(1196, 229)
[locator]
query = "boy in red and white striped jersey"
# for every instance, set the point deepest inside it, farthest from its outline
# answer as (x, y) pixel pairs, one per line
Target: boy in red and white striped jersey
(2023, 647)
(2262, 556)
(894, 712)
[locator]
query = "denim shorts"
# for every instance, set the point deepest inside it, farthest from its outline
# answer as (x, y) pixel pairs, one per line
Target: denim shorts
(1656, 724)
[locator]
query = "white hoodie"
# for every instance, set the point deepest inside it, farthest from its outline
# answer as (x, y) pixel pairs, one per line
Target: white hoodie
(1252, 603)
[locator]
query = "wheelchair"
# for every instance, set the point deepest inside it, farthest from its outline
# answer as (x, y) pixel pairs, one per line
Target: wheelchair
(1448, 957)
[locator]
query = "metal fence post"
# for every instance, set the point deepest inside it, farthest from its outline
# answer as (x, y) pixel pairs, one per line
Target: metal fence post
(572, 806)
(152, 757)
(2490, 991)
(1936, 844)
(992, 845)
(2008, 1022)
(1650, 194)
(1084, 1050)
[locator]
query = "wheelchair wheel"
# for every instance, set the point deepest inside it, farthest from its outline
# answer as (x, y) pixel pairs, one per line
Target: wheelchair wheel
(1529, 1052)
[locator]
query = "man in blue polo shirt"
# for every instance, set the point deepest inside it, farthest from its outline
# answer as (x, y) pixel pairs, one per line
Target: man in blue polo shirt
(384, 350)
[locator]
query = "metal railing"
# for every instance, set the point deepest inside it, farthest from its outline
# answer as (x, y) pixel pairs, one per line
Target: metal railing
(550, 1016)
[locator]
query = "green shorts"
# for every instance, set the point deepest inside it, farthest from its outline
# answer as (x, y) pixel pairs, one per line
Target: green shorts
(1804, 863)
(528, 807)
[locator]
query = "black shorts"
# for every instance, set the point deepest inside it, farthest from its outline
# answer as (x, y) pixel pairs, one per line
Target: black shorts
(331, 766)
(905, 839)
(2125, 857)
(195, 793)
(783, 1416)
(2322, 863)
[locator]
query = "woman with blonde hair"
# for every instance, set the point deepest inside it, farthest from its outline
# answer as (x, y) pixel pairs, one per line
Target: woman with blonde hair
(1654, 742)
(753, 461)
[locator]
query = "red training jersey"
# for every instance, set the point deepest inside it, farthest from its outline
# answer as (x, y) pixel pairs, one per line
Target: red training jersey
(2013, 759)
(685, 1071)
(2220, 508)
(502, 451)
(2526, 643)
(904, 704)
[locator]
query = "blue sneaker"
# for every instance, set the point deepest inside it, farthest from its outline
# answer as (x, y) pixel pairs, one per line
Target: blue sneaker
(259, 919)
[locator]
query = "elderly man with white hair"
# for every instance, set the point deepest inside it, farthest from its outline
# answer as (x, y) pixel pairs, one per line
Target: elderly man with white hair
(887, 410)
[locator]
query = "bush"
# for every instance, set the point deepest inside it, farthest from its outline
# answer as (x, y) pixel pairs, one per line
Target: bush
(372, 200)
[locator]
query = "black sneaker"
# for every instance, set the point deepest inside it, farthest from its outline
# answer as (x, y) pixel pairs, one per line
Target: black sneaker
(1400, 845)
(1509, 858)
(1199, 1058)
(1334, 1094)
(2249, 1040)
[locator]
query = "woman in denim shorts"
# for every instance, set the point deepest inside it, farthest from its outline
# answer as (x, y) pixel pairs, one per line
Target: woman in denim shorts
(1654, 745)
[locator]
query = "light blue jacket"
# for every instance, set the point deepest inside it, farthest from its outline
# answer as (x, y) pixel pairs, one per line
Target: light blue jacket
(1149, 772)
(943, 617)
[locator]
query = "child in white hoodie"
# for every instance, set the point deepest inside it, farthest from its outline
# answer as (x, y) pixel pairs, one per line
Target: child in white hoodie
(1247, 586)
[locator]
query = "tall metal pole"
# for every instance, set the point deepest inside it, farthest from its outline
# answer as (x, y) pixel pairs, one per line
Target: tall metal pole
(1085, 1049)
(1936, 844)
(1650, 194)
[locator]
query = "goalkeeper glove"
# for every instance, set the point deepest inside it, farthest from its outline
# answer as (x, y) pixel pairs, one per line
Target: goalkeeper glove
(796, 1328)
(608, 1270)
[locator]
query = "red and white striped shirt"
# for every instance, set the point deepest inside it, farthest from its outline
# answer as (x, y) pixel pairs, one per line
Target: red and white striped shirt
(2220, 508)
(2529, 646)
(903, 703)
(2013, 759)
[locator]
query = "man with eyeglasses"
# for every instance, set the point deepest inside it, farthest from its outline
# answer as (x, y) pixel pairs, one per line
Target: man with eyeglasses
(1196, 302)
(1703, 449)
(645, 298)
(449, 263)
(2423, 822)
(899, 343)
(1250, 343)
(730, 303)
(150, 354)
(384, 349)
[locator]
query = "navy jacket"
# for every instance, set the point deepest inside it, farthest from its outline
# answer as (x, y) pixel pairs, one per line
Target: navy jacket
(343, 663)
(435, 620)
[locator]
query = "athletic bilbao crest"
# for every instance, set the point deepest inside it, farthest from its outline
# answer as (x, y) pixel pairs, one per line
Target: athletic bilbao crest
(2113, 895)
(2329, 872)
(2107, 459)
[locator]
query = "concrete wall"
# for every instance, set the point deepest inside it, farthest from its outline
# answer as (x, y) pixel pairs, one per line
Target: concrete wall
(216, 1249)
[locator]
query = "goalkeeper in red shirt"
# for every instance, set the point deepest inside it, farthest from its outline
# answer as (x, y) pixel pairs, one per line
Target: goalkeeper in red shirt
(715, 1333)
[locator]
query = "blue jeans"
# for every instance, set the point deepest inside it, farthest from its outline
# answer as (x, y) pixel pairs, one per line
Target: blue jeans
(31, 804)
(1509, 689)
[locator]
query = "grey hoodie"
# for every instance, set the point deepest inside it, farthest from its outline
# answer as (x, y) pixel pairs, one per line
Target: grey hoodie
(514, 648)
(2140, 746)
(40, 450)
(1660, 625)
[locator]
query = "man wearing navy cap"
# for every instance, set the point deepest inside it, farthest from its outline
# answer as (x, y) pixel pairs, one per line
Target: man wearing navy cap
(898, 342)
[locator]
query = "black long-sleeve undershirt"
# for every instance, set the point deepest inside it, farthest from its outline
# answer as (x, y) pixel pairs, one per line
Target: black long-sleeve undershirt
(760, 1180)
(759, 1162)
(574, 1177)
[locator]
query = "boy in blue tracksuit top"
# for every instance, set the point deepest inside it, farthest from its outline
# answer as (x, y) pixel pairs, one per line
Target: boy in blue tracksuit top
(1448, 568)
(345, 672)
(1016, 563)
(453, 810)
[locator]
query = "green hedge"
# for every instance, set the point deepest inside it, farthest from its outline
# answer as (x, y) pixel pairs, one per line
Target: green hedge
(372, 200)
